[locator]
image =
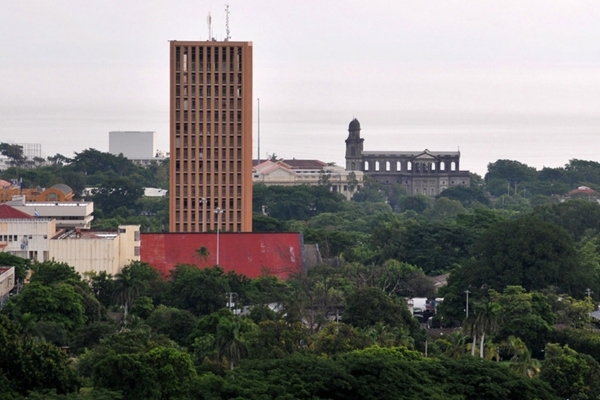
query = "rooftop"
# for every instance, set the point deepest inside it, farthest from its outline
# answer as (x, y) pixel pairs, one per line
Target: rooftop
(86, 234)
(8, 212)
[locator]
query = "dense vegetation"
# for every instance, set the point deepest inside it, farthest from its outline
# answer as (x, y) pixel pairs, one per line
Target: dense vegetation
(177, 339)
(529, 261)
(117, 185)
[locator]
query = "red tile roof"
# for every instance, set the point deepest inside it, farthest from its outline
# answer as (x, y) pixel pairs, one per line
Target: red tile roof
(8, 212)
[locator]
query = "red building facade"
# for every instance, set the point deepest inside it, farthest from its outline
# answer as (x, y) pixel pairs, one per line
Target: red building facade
(250, 254)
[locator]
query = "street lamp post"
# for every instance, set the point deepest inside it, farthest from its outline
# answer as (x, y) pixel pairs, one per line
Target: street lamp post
(467, 308)
(203, 202)
(218, 211)
(230, 303)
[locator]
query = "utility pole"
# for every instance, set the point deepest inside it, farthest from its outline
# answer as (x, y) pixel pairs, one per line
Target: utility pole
(203, 205)
(467, 308)
(230, 302)
(218, 211)
(258, 131)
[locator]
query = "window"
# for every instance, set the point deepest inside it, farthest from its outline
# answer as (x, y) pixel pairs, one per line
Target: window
(136, 250)
(136, 236)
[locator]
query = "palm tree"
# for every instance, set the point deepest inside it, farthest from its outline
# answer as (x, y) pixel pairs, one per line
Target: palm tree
(403, 338)
(127, 289)
(381, 335)
(521, 360)
(486, 321)
(455, 344)
(203, 253)
(492, 351)
(229, 341)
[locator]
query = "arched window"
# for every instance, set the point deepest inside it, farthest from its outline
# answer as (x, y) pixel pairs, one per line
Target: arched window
(353, 167)
(442, 166)
(366, 166)
(433, 166)
(388, 166)
(453, 166)
(398, 166)
(409, 166)
(376, 165)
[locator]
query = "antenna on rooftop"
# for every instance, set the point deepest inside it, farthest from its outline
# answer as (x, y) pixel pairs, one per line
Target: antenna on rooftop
(209, 22)
(227, 37)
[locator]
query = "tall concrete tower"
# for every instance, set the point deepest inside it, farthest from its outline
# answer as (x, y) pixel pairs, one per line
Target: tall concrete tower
(210, 136)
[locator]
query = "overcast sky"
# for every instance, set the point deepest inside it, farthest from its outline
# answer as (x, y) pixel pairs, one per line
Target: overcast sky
(504, 79)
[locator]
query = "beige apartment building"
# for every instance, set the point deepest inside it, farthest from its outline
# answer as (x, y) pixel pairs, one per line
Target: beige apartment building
(97, 251)
(210, 136)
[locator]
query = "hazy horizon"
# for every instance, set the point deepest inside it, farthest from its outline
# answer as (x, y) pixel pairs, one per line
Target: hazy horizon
(515, 80)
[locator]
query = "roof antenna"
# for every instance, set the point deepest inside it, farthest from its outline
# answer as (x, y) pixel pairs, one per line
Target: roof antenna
(227, 37)
(209, 22)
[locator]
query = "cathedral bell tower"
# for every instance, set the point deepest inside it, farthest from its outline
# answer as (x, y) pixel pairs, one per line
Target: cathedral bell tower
(354, 147)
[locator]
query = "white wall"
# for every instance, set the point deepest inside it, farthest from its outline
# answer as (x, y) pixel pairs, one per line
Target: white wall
(27, 238)
(133, 144)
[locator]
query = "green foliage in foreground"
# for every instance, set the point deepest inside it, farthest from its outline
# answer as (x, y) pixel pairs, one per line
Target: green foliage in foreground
(27, 364)
(373, 373)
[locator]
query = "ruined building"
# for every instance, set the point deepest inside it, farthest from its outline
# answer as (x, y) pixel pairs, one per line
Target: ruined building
(420, 172)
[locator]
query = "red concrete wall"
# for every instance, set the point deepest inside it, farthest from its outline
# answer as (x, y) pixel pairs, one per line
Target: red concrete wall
(281, 254)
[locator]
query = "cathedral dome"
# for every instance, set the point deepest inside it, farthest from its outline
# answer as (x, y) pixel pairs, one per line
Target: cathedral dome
(354, 125)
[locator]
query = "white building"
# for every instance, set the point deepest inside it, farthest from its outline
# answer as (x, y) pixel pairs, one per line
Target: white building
(308, 172)
(68, 215)
(23, 235)
(132, 144)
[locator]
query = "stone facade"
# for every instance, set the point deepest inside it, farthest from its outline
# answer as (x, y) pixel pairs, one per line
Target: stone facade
(420, 172)
(308, 172)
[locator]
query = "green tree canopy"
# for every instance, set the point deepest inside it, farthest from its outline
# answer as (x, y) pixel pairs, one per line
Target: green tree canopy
(527, 252)
(50, 272)
(60, 303)
(199, 290)
(28, 365)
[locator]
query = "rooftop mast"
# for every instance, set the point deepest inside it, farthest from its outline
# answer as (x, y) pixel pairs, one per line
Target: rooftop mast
(209, 22)
(227, 37)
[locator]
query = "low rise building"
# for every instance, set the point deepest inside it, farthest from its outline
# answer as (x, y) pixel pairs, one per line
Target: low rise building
(308, 172)
(68, 215)
(97, 251)
(59, 192)
(582, 193)
(23, 235)
(37, 238)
